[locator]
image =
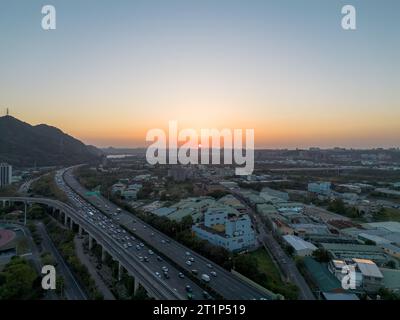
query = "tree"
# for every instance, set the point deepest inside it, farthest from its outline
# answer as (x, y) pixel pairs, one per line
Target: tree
(337, 206)
(290, 250)
(19, 281)
(321, 255)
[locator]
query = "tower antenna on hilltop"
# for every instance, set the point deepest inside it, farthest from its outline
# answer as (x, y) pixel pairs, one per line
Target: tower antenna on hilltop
(7, 112)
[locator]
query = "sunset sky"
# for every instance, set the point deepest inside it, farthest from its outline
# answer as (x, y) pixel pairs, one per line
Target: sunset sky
(114, 69)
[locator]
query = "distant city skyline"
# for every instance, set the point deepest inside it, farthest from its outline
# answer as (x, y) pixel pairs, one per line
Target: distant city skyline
(113, 70)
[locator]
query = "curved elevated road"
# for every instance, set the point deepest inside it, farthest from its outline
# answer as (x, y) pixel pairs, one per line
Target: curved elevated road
(227, 284)
(156, 287)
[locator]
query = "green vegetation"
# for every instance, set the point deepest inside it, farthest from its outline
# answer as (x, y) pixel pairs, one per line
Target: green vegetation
(321, 255)
(387, 214)
(217, 194)
(46, 186)
(23, 246)
(64, 241)
(259, 267)
(9, 191)
(19, 280)
(339, 207)
(92, 179)
(386, 294)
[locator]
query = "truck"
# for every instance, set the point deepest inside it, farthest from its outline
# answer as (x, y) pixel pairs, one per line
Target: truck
(205, 277)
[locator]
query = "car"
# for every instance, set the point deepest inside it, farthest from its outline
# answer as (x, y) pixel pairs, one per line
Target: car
(141, 244)
(146, 259)
(140, 258)
(206, 295)
(151, 252)
(205, 277)
(209, 265)
(158, 274)
(191, 259)
(166, 275)
(159, 258)
(213, 273)
(152, 234)
(189, 263)
(188, 288)
(190, 296)
(187, 253)
(181, 275)
(194, 271)
(163, 241)
(164, 268)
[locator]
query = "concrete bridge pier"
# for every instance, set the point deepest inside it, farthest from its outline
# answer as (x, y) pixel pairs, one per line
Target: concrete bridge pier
(65, 219)
(71, 223)
(90, 242)
(136, 286)
(25, 212)
(103, 254)
(80, 231)
(120, 270)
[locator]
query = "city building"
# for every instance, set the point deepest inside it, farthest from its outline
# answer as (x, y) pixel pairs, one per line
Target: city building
(274, 193)
(323, 188)
(345, 251)
(372, 278)
(301, 248)
(233, 232)
(5, 174)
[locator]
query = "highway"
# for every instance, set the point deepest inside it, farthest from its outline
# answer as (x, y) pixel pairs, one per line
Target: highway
(72, 288)
(223, 282)
(158, 287)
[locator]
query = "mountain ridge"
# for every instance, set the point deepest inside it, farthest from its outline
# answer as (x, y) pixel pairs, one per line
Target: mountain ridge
(24, 145)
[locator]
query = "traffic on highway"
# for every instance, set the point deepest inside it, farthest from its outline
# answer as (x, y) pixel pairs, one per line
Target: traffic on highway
(225, 283)
(129, 245)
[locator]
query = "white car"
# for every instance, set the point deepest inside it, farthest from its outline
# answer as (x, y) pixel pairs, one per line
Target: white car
(189, 263)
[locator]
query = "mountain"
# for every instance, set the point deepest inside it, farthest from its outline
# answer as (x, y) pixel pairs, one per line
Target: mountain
(24, 145)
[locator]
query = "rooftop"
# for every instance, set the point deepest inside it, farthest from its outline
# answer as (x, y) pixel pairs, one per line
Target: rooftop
(368, 268)
(298, 243)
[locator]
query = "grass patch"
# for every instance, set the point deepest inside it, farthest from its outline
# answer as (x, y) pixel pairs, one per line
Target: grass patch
(259, 267)
(387, 214)
(266, 265)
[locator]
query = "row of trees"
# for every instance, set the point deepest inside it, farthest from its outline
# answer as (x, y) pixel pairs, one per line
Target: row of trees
(47, 187)
(64, 241)
(19, 281)
(339, 207)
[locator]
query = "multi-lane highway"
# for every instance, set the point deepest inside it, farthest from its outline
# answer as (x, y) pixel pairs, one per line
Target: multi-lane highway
(228, 285)
(145, 273)
(158, 269)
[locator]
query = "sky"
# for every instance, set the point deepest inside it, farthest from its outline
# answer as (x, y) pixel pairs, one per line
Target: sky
(114, 69)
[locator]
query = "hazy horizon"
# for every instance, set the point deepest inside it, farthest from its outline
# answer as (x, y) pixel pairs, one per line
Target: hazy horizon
(111, 71)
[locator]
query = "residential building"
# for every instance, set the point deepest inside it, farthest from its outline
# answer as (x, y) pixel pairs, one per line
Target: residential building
(233, 232)
(372, 278)
(323, 188)
(5, 174)
(274, 193)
